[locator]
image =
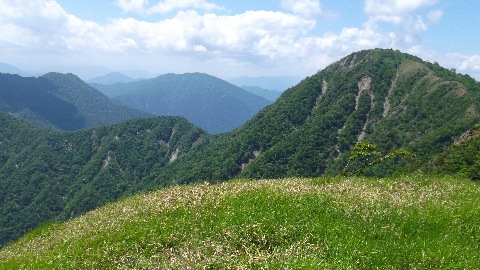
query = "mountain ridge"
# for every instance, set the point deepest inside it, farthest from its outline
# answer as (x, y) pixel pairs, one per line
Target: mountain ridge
(61, 101)
(385, 97)
(209, 102)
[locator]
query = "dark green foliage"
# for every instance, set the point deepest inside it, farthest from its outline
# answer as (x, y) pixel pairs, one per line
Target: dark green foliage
(462, 158)
(208, 102)
(60, 101)
(47, 175)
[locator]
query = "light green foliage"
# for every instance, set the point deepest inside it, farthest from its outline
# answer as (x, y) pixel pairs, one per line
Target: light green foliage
(410, 222)
(365, 155)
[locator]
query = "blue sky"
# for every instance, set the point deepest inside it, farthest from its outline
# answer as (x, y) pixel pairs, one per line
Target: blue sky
(228, 38)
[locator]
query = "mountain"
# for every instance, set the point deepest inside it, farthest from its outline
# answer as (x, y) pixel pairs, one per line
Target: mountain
(271, 95)
(280, 83)
(60, 101)
(204, 100)
(385, 97)
(47, 175)
(111, 78)
(7, 68)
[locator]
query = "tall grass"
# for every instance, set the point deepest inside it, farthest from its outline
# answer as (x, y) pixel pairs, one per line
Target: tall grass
(410, 222)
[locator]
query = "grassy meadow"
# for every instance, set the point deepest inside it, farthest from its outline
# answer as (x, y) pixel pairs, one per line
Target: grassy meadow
(407, 222)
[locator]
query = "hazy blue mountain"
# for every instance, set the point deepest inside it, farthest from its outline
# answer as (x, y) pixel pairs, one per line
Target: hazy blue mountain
(111, 78)
(273, 83)
(271, 95)
(208, 102)
(7, 68)
(60, 101)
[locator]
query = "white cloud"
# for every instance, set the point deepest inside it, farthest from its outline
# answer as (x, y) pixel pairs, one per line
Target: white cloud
(135, 6)
(269, 39)
(305, 8)
(434, 16)
(394, 7)
(165, 6)
(253, 38)
(401, 13)
(30, 23)
(406, 14)
(469, 63)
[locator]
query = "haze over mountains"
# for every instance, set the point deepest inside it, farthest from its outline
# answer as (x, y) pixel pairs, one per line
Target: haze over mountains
(386, 97)
(206, 101)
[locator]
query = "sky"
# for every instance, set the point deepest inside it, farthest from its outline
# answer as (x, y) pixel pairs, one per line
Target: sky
(228, 38)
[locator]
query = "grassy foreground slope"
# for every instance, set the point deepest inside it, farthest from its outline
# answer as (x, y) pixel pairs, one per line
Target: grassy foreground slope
(393, 223)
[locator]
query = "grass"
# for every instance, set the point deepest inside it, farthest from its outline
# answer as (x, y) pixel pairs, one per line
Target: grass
(410, 222)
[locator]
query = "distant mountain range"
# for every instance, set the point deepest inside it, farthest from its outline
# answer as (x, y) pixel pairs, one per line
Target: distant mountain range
(384, 97)
(61, 101)
(208, 102)
(10, 69)
(271, 95)
(272, 83)
(111, 78)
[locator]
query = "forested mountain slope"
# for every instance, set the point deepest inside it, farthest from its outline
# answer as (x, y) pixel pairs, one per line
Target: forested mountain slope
(392, 99)
(208, 102)
(61, 101)
(48, 175)
(389, 98)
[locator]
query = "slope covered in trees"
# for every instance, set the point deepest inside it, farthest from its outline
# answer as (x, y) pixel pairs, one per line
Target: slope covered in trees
(48, 175)
(385, 97)
(61, 101)
(206, 101)
(388, 98)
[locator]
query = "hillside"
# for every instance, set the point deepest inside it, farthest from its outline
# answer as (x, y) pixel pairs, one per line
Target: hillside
(386, 97)
(461, 159)
(60, 101)
(391, 99)
(48, 175)
(411, 222)
(206, 101)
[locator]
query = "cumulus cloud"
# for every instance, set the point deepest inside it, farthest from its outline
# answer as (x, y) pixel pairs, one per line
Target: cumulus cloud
(31, 23)
(165, 6)
(305, 8)
(254, 37)
(136, 6)
(401, 13)
(394, 7)
(469, 63)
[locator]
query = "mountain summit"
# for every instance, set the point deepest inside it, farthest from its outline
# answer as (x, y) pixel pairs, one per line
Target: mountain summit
(382, 96)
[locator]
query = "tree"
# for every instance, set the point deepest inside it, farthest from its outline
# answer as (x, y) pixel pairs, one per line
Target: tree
(365, 155)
